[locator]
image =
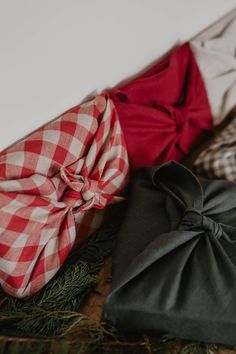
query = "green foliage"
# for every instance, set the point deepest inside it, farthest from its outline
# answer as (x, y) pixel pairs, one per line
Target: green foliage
(10, 346)
(193, 348)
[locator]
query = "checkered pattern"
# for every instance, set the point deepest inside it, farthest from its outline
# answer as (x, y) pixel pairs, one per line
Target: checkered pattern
(219, 159)
(52, 184)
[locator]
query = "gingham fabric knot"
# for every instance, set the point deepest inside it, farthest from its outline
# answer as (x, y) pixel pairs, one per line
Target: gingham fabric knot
(194, 220)
(52, 183)
(82, 191)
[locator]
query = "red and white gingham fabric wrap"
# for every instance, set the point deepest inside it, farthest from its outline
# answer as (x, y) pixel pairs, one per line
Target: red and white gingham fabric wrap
(49, 182)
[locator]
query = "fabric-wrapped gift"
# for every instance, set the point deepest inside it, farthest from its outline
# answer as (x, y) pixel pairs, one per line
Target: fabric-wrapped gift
(174, 263)
(164, 111)
(215, 53)
(49, 183)
(218, 160)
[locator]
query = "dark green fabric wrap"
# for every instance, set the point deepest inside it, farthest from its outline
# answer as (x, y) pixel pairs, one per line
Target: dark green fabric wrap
(174, 262)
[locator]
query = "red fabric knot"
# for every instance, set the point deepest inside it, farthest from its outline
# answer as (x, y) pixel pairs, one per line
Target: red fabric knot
(180, 117)
(82, 191)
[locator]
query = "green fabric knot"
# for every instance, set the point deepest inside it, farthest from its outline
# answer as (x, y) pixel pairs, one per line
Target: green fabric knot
(194, 220)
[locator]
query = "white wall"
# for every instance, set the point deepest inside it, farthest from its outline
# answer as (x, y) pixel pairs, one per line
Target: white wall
(53, 53)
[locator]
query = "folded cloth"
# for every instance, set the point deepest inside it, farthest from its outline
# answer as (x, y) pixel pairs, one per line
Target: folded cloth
(219, 159)
(215, 53)
(164, 111)
(174, 263)
(49, 182)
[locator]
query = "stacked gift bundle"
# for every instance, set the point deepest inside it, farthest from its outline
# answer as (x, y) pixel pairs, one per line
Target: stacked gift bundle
(174, 267)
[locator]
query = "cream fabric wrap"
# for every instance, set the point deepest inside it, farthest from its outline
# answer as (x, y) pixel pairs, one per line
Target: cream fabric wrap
(215, 53)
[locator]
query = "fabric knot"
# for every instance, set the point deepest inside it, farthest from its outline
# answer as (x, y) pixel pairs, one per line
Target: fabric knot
(181, 116)
(194, 220)
(82, 191)
(180, 119)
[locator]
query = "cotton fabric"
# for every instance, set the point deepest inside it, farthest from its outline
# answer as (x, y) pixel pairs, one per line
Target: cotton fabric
(49, 183)
(218, 160)
(215, 54)
(174, 262)
(163, 112)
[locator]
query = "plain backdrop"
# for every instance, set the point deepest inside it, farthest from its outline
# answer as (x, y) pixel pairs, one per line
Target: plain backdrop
(54, 53)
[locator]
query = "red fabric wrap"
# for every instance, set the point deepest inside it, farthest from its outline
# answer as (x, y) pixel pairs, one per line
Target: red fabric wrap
(164, 111)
